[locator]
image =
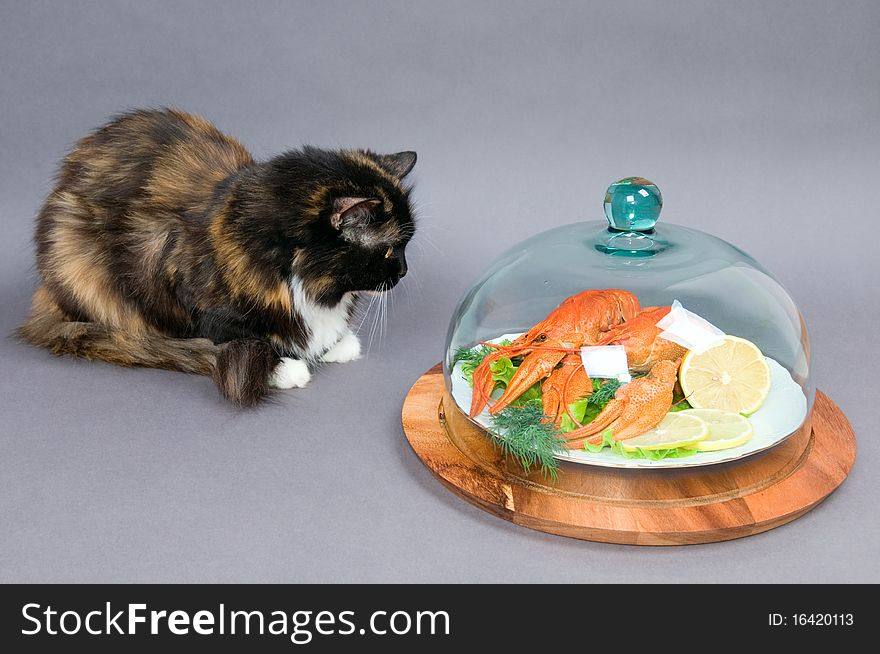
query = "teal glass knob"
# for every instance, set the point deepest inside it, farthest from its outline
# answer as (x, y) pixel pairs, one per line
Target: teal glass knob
(633, 204)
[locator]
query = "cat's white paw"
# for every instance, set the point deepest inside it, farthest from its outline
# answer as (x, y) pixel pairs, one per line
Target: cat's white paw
(347, 349)
(290, 373)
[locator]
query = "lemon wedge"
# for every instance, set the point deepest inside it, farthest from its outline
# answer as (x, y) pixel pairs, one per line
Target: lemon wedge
(726, 429)
(675, 430)
(732, 375)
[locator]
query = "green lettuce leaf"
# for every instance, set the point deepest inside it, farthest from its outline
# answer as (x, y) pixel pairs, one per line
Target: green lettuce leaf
(639, 453)
(679, 403)
(470, 358)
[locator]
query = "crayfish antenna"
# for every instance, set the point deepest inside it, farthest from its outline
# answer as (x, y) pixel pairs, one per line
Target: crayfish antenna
(483, 384)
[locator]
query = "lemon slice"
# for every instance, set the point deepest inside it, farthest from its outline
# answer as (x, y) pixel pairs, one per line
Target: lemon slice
(726, 429)
(732, 375)
(675, 430)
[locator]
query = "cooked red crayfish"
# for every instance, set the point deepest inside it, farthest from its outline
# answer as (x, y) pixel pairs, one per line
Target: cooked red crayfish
(636, 407)
(641, 339)
(579, 320)
(595, 317)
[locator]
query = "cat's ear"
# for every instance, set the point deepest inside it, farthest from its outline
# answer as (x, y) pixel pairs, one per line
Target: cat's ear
(399, 164)
(346, 209)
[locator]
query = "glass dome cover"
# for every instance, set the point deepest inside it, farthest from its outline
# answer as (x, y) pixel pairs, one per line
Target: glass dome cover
(659, 264)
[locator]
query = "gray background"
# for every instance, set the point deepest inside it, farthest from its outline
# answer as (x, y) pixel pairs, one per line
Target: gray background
(759, 120)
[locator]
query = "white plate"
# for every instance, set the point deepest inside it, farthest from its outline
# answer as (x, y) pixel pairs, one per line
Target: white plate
(782, 413)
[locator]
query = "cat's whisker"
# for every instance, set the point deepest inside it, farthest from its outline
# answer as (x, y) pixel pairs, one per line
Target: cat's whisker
(388, 306)
(360, 313)
(375, 322)
(381, 330)
(417, 280)
(391, 307)
(426, 219)
(366, 312)
(372, 313)
(427, 239)
(406, 294)
(420, 208)
(386, 296)
(380, 311)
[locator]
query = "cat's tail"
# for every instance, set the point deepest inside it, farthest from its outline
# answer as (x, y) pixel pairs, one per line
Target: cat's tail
(241, 368)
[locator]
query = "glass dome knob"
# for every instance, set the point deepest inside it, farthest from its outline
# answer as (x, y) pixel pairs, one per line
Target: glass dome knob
(633, 204)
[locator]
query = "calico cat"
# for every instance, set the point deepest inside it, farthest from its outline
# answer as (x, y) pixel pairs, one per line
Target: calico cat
(165, 245)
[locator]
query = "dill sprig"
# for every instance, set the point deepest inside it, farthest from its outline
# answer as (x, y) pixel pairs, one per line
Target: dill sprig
(525, 433)
(470, 355)
(520, 431)
(603, 392)
(470, 358)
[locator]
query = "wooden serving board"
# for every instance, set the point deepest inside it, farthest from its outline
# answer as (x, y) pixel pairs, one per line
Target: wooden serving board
(632, 506)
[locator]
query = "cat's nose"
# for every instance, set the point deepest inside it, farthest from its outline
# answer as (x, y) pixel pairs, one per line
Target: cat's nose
(401, 263)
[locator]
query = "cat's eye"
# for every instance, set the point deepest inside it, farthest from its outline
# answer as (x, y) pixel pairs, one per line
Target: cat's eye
(389, 252)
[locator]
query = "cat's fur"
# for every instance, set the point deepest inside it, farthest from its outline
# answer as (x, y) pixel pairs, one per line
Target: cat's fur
(164, 244)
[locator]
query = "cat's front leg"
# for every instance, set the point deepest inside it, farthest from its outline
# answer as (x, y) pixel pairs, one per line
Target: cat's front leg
(290, 373)
(348, 348)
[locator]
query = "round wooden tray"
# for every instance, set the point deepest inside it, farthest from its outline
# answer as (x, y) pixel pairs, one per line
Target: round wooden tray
(637, 507)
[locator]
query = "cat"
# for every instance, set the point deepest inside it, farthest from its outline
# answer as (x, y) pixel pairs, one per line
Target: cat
(164, 244)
